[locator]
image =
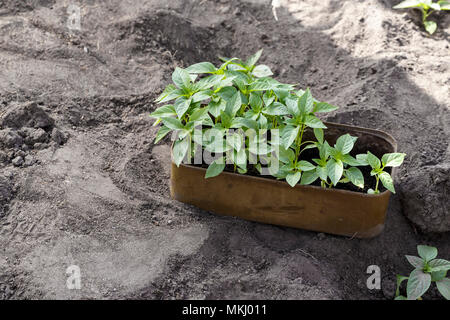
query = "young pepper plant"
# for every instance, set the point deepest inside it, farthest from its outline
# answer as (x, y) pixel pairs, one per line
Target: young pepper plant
(335, 163)
(427, 269)
(388, 160)
(240, 95)
(427, 7)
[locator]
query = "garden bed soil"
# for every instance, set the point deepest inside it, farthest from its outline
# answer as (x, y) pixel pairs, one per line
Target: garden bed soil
(88, 188)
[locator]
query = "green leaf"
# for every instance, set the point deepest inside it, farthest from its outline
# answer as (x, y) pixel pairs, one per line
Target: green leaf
(215, 168)
(233, 104)
(439, 265)
(226, 62)
(393, 159)
(260, 85)
(286, 155)
(444, 287)
(345, 143)
(215, 108)
(201, 95)
(322, 172)
(430, 26)
(181, 106)
(309, 177)
(292, 105)
(400, 298)
(262, 71)
(235, 141)
(181, 78)
(387, 181)
(172, 123)
(324, 107)
(306, 103)
(335, 169)
(318, 133)
(305, 166)
(162, 132)
(254, 58)
(255, 101)
(288, 135)
(248, 123)
(276, 109)
(435, 6)
(268, 98)
(418, 284)
(164, 111)
(240, 158)
(314, 122)
(372, 160)
(170, 88)
(217, 146)
(362, 159)
(226, 120)
(445, 5)
(438, 275)
(416, 262)
(400, 279)
(324, 151)
(198, 114)
(293, 178)
(426, 252)
(355, 176)
(180, 149)
(408, 4)
(227, 93)
(172, 95)
(202, 67)
(236, 67)
(208, 82)
(348, 159)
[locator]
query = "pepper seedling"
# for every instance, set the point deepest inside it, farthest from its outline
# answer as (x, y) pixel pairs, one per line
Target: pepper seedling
(334, 163)
(388, 160)
(427, 7)
(236, 105)
(427, 269)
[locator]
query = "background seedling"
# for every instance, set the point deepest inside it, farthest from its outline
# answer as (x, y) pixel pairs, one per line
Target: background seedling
(427, 7)
(427, 270)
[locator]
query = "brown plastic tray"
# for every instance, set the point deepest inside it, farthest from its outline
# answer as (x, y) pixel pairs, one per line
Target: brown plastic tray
(260, 199)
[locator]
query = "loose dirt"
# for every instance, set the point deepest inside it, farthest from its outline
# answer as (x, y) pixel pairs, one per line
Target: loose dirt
(82, 184)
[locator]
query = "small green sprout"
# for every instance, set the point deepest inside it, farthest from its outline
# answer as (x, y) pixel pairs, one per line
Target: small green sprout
(427, 270)
(388, 160)
(427, 7)
(335, 164)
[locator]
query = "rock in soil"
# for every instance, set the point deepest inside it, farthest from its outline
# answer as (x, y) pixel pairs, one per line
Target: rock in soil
(17, 161)
(426, 200)
(10, 138)
(26, 115)
(58, 136)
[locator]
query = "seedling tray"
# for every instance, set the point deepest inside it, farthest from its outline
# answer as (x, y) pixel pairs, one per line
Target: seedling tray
(266, 200)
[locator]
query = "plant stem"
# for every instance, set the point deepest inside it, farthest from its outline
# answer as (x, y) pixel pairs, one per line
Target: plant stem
(298, 143)
(376, 186)
(307, 142)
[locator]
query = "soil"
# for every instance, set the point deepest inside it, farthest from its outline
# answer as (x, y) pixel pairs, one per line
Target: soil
(82, 184)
